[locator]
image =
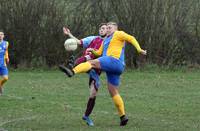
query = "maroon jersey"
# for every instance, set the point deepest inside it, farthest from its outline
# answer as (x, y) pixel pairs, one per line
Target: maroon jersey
(93, 42)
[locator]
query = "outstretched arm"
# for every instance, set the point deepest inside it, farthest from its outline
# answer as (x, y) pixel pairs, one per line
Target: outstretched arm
(133, 41)
(66, 31)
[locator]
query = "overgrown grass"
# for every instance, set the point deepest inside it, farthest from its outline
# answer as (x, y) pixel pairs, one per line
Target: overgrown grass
(154, 100)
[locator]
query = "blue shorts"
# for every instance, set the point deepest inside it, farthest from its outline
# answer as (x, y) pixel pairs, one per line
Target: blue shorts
(3, 71)
(113, 68)
(94, 76)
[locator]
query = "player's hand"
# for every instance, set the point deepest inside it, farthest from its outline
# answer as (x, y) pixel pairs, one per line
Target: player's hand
(143, 52)
(88, 53)
(66, 31)
(89, 50)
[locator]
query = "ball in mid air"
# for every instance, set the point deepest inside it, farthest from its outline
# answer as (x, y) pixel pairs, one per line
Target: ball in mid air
(70, 44)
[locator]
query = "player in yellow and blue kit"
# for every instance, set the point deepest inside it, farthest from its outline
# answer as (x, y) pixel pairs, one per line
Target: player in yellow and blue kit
(4, 59)
(111, 60)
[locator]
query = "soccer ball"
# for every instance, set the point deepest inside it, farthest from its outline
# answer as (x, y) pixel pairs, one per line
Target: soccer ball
(70, 44)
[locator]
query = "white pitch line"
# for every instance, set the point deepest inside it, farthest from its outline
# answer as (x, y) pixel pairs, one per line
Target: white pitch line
(17, 120)
(1, 129)
(15, 97)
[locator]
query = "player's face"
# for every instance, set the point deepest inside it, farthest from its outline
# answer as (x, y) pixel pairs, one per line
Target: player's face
(1, 35)
(103, 30)
(111, 29)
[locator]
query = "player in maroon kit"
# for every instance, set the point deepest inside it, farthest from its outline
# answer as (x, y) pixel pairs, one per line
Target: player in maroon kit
(87, 43)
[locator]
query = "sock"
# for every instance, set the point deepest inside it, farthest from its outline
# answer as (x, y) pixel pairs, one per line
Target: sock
(119, 104)
(122, 117)
(3, 81)
(83, 67)
(90, 106)
(80, 60)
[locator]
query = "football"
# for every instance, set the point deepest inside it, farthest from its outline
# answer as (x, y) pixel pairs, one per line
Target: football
(70, 44)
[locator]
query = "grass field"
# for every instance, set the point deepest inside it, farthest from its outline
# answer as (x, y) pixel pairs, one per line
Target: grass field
(154, 100)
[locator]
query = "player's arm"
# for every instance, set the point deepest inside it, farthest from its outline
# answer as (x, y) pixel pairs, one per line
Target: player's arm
(98, 52)
(85, 42)
(66, 31)
(91, 54)
(6, 53)
(132, 41)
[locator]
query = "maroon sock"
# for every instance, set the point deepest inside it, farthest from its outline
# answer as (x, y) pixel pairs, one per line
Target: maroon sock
(80, 60)
(90, 106)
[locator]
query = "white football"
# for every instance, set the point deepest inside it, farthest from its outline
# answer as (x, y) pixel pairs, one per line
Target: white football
(70, 44)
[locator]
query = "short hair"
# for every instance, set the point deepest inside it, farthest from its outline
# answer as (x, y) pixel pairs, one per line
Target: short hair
(102, 24)
(112, 23)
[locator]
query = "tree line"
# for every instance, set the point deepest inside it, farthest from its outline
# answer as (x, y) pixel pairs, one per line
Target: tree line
(169, 30)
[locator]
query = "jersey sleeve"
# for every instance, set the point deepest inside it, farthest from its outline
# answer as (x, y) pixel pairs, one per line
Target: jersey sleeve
(98, 52)
(124, 36)
(86, 41)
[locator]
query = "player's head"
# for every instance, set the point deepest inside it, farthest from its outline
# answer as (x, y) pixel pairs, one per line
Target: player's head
(103, 29)
(1, 35)
(111, 27)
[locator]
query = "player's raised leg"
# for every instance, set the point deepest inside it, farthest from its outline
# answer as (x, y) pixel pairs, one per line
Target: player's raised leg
(81, 68)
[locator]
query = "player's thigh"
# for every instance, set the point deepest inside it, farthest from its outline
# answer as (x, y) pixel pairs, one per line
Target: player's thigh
(110, 64)
(113, 78)
(94, 77)
(113, 90)
(4, 71)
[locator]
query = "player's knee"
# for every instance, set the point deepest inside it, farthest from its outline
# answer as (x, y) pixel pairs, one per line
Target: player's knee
(92, 96)
(95, 63)
(5, 78)
(113, 90)
(93, 92)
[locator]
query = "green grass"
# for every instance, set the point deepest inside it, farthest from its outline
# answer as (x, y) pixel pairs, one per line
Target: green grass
(154, 100)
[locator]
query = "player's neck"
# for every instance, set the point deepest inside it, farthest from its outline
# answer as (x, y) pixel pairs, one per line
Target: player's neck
(103, 36)
(110, 34)
(1, 40)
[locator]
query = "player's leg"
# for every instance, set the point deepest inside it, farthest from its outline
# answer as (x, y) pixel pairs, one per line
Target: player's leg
(90, 104)
(3, 80)
(119, 103)
(113, 83)
(4, 74)
(104, 63)
(114, 68)
(81, 68)
(113, 90)
(94, 84)
(71, 62)
(92, 98)
(86, 66)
